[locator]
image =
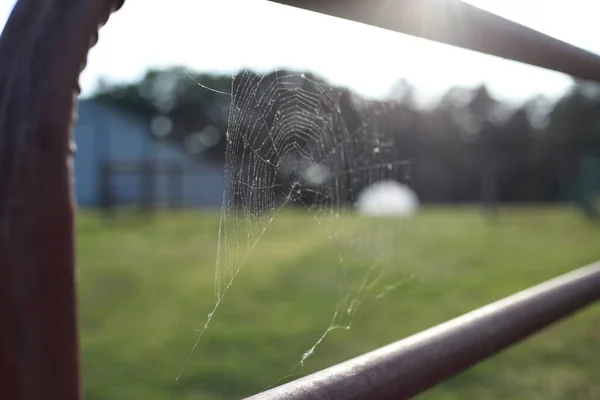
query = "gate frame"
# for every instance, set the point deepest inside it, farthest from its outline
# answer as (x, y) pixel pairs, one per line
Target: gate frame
(43, 49)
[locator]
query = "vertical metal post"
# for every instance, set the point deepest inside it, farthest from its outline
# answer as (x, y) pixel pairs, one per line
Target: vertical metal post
(175, 177)
(42, 51)
(105, 187)
(148, 175)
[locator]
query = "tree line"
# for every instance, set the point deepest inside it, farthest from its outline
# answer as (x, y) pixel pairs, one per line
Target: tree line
(468, 147)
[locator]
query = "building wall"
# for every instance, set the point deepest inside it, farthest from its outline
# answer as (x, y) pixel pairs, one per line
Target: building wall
(103, 133)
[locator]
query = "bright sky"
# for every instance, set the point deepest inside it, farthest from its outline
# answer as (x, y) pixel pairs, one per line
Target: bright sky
(226, 35)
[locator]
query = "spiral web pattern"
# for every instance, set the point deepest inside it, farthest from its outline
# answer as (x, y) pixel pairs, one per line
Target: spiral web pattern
(293, 139)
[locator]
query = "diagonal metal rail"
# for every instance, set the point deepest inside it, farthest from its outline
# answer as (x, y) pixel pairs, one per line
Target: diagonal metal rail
(408, 367)
(460, 24)
(38, 341)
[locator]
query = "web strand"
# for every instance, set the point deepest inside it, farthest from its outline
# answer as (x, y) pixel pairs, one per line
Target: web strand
(294, 140)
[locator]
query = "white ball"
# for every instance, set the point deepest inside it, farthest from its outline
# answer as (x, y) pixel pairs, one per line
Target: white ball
(387, 198)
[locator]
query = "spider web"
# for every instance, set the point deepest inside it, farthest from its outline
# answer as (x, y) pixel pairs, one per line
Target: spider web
(295, 141)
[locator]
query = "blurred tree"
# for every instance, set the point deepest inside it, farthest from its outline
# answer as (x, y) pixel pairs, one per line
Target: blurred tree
(469, 147)
(441, 154)
(485, 125)
(192, 103)
(574, 135)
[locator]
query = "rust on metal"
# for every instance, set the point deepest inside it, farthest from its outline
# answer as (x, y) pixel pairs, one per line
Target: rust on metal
(408, 367)
(43, 49)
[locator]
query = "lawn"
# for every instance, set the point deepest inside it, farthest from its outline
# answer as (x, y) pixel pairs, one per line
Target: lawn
(146, 289)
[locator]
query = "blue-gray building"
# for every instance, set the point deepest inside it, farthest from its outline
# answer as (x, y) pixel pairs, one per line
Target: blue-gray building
(105, 135)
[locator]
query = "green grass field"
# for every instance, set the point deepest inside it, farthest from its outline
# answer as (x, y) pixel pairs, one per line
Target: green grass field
(146, 291)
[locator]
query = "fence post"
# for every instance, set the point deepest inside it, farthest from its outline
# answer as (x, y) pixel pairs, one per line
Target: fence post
(175, 177)
(42, 50)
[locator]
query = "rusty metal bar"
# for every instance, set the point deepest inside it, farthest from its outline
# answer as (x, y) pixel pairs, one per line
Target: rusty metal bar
(463, 25)
(408, 367)
(43, 48)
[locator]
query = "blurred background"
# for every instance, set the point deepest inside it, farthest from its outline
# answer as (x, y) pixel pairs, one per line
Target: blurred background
(343, 185)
